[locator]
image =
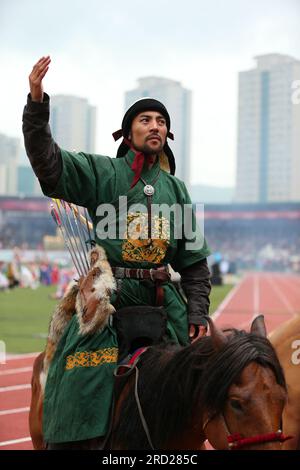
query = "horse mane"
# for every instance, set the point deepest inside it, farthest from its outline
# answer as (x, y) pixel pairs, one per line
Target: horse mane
(174, 380)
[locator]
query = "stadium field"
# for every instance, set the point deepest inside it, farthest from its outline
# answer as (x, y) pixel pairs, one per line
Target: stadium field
(25, 315)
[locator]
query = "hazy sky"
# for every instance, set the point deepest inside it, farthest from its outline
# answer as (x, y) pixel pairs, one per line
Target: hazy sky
(99, 50)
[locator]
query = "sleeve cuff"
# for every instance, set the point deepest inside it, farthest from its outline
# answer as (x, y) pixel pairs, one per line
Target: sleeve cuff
(35, 106)
(199, 321)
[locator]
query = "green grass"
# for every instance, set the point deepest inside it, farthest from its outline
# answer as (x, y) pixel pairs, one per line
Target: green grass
(25, 316)
(218, 293)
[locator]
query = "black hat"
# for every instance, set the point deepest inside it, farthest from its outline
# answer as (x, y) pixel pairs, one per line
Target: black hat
(145, 104)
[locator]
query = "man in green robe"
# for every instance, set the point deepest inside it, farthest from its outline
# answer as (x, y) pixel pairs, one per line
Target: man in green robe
(131, 201)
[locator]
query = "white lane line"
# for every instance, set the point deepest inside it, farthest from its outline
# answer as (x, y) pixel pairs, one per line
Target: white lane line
(281, 296)
(226, 301)
(11, 357)
(13, 388)
(246, 324)
(15, 441)
(14, 411)
(18, 370)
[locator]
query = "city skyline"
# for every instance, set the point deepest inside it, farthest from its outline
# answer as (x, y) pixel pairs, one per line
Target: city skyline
(72, 120)
(99, 53)
(268, 131)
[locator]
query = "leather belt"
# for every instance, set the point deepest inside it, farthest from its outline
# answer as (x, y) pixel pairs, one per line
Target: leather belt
(161, 273)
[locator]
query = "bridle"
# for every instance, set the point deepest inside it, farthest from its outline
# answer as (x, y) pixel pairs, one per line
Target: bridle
(236, 441)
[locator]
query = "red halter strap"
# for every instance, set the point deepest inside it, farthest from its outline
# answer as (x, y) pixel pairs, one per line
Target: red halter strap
(236, 441)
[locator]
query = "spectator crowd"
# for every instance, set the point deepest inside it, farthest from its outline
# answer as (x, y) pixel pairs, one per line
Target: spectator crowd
(21, 273)
(264, 245)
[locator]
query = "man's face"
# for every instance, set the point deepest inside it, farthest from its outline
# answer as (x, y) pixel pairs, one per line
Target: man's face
(148, 132)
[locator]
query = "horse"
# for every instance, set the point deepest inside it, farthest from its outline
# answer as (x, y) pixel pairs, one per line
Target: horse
(286, 341)
(227, 388)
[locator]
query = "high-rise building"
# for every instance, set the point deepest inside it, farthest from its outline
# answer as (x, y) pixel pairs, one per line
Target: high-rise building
(9, 158)
(268, 153)
(26, 181)
(73, 123)
(178, 103)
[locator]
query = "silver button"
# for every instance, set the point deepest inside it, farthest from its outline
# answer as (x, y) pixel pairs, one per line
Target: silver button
(148, 190)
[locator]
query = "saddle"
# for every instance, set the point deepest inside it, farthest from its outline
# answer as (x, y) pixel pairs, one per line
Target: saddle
(137, 327)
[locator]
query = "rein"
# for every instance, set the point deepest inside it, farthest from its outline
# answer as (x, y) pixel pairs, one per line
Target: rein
(237, 441)
(142, 417)
(128, 369)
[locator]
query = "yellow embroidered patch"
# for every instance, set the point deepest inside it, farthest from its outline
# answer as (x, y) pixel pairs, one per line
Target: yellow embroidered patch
(137, 246)
(92, 358)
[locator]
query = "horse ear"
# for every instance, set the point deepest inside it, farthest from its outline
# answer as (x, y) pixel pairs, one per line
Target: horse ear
(219, 339)
(258, 327)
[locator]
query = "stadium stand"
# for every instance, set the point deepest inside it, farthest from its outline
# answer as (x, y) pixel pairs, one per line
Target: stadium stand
(249, 236)
(263, 237)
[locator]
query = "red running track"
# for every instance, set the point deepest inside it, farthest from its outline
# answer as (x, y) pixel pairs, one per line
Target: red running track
(276, 296)
(15, 392)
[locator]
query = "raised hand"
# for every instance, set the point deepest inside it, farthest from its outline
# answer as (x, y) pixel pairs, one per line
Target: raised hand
(36, 77)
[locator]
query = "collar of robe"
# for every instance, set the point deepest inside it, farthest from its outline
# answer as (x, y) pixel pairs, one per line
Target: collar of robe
(138, 163)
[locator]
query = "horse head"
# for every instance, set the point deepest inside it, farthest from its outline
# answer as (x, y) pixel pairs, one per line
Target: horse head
(249, 387)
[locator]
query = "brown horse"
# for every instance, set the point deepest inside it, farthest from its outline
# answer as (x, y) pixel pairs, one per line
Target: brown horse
(286, 341)
(228, 388)
(36, 405)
